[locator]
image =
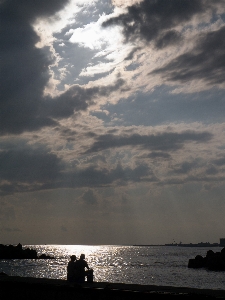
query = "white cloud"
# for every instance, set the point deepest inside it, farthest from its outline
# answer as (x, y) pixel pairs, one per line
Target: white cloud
(94, 36)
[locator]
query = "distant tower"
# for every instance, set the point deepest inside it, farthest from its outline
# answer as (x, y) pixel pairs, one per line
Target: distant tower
(222, 242)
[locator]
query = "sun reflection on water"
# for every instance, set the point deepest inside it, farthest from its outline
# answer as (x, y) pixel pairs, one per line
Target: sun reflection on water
(125, 264)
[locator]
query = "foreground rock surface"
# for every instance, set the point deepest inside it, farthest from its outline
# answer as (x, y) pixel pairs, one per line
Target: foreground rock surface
(214, 261)
(28, 288)
(17, 252)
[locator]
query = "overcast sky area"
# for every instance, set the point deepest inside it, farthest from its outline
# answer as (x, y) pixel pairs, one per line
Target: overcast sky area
(112, 121)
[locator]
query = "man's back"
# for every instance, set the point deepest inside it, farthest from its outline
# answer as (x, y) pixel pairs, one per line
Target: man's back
(81, 265)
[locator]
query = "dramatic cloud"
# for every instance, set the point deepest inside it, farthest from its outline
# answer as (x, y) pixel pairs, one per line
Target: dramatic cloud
(24, 68)
(219, 161)
(186, 167)
(25, 72)
(35, 169)
(156, 20)
(112, 114)
(159, 154)
(206, 61)
(162, 142)
(28, 165)
(75, 99)
(27, 169)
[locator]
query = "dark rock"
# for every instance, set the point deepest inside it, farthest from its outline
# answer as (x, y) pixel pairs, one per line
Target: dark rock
(17, 252)
(44, 256)
(212, 261)
(196, 263)
(209, 253)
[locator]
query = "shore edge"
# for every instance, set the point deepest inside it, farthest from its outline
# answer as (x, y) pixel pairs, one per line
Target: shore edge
(43, 288)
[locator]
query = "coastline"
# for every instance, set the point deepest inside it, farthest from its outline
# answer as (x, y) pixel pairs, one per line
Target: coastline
(43, 288)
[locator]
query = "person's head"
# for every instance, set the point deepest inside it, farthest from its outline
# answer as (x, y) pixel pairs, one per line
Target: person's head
(73, 257)
(82, 256)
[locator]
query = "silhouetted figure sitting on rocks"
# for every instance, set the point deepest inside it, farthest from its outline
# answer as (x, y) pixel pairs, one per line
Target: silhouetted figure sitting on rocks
(81, 266)
(71, 269)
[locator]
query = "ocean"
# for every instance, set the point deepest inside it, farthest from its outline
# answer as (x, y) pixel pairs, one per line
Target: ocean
(147, 265)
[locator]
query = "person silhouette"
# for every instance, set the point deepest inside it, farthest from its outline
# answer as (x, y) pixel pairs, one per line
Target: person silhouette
(80, 267)
(71, 269)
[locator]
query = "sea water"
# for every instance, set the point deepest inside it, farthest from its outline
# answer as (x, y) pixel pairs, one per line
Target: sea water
(148, 265)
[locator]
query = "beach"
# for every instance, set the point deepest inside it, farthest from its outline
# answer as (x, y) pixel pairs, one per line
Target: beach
(27, 288)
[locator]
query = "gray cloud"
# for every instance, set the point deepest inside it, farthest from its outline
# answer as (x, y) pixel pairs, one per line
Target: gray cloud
(24, 72)
(212, 170)
(206, 61)
(160, 142)
(192, 179)
(28, 166)
(149, 20)
(187, 166)
(35, 169)
(132, 52)
(24, 68)
(75, 99)
(219, 161)
(89, 197)
(29, 10)
(10, 230)
(168, 38)
(159, 154)
(94, 177)
(7, 211)
(206, 170)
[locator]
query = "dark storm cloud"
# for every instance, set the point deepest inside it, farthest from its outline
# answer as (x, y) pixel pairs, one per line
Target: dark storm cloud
(212, 170)
(154, 19)
(34, 170)
(219, 161)
(28, 165)
(24, 68)
(186, 167)
(93, 177)
(206, 61)
(159, 154)
(160, 142)
(168, 38)
(205, 179)
(76, 98)
(24, 72)
(192, 179)
(27, 169)
(29, 10)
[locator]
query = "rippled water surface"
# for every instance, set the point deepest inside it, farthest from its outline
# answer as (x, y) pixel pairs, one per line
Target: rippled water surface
(127, 264)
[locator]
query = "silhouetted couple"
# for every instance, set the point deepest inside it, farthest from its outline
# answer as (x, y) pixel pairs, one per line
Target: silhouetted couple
(76, 269)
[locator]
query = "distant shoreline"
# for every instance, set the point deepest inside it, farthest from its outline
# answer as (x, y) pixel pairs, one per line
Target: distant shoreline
(183, 245)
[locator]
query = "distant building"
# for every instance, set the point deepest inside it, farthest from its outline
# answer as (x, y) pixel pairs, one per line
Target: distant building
(222, 242)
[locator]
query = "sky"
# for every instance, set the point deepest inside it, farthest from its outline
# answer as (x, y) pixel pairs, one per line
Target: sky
(112, 121)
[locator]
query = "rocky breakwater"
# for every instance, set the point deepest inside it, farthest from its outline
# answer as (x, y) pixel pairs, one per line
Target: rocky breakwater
(17, 252)
(214, 261)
